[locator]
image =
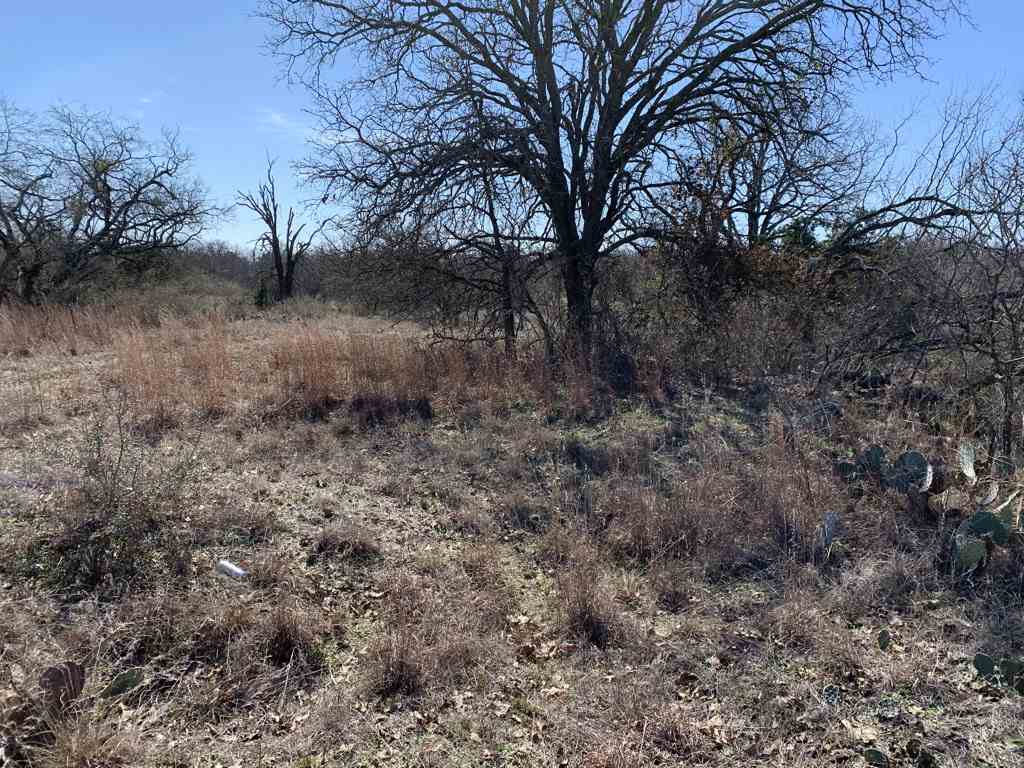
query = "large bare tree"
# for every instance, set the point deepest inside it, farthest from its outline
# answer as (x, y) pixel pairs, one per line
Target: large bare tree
(284, 241)
(587, 101)
(82, 194)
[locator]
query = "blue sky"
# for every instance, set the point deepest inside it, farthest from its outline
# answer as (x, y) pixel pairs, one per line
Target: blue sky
(200, 66)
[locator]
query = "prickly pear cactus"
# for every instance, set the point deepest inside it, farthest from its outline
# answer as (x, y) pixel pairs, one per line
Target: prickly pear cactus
(969, 552)
(911, 472)
(992, 524)
(872, 460)
(1006, 671)
(967, 457)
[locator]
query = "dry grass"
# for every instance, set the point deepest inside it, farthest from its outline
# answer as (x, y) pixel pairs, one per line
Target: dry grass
(589, 612)
(426, 644)
(345, 541)
(85, 742)
(531, 571)
(64, 330)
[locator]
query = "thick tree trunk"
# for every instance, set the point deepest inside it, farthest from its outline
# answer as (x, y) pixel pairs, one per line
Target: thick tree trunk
(577, 278)
(279, 274)
(28, 288)
(288, 287)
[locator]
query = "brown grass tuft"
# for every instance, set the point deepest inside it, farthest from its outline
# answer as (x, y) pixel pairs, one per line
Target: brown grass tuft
(429, 640)
(345, 541)
(588, 610)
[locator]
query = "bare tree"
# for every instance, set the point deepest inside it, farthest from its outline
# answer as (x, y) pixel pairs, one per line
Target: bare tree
(81, 194)
(587, 101)
(468, 265)
(974, 291)
(283, 241)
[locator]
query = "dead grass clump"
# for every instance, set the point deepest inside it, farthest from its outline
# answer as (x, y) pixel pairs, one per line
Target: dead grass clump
(558, 544)
(592, 461)
(62, 329)
(468, 521)
(310, 369)
(482, 563)
(646, 527)
(374, 411)
(396, 663)
(216, 631)
(140, 630)
(288, 636)
(244, 525)
(85, 742)
(796, 623)
(429, 641)
(147, 372)
(345, 541)
(789, 502)
(674, 586)
(28, 403)
(209, 367)
(521, 513)
(271, 569)
(877, 586)
(588, 610)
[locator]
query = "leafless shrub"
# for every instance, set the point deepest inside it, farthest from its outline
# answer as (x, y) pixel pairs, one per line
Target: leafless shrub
(125, 513)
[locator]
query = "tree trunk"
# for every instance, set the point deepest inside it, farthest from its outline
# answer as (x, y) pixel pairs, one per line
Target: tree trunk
(279, 287)
(508, 310)
(288, 286)
(28, 283)
(577, 278)
(1011, 418)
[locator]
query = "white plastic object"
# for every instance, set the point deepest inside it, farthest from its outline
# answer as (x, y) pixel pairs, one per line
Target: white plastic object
(228, 568)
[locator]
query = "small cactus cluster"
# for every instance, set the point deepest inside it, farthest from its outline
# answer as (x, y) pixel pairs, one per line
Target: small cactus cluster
(992, 524)
(911, 473)
(1005, 671)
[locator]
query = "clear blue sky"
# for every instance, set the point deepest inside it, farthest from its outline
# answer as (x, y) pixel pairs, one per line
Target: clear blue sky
(200, 65)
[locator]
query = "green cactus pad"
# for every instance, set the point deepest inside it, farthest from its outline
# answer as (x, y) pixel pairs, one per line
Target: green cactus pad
(847, 470)
(884, 639)
(970, 553)
(985, 523)
(1004, 467)
(985, 665)
(1008, 512)
(876, 758)
(910, 472)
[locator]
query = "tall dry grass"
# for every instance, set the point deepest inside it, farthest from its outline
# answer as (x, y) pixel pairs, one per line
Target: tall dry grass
(315, 370)
(147, 372)
(206, 367)
(64, 330)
